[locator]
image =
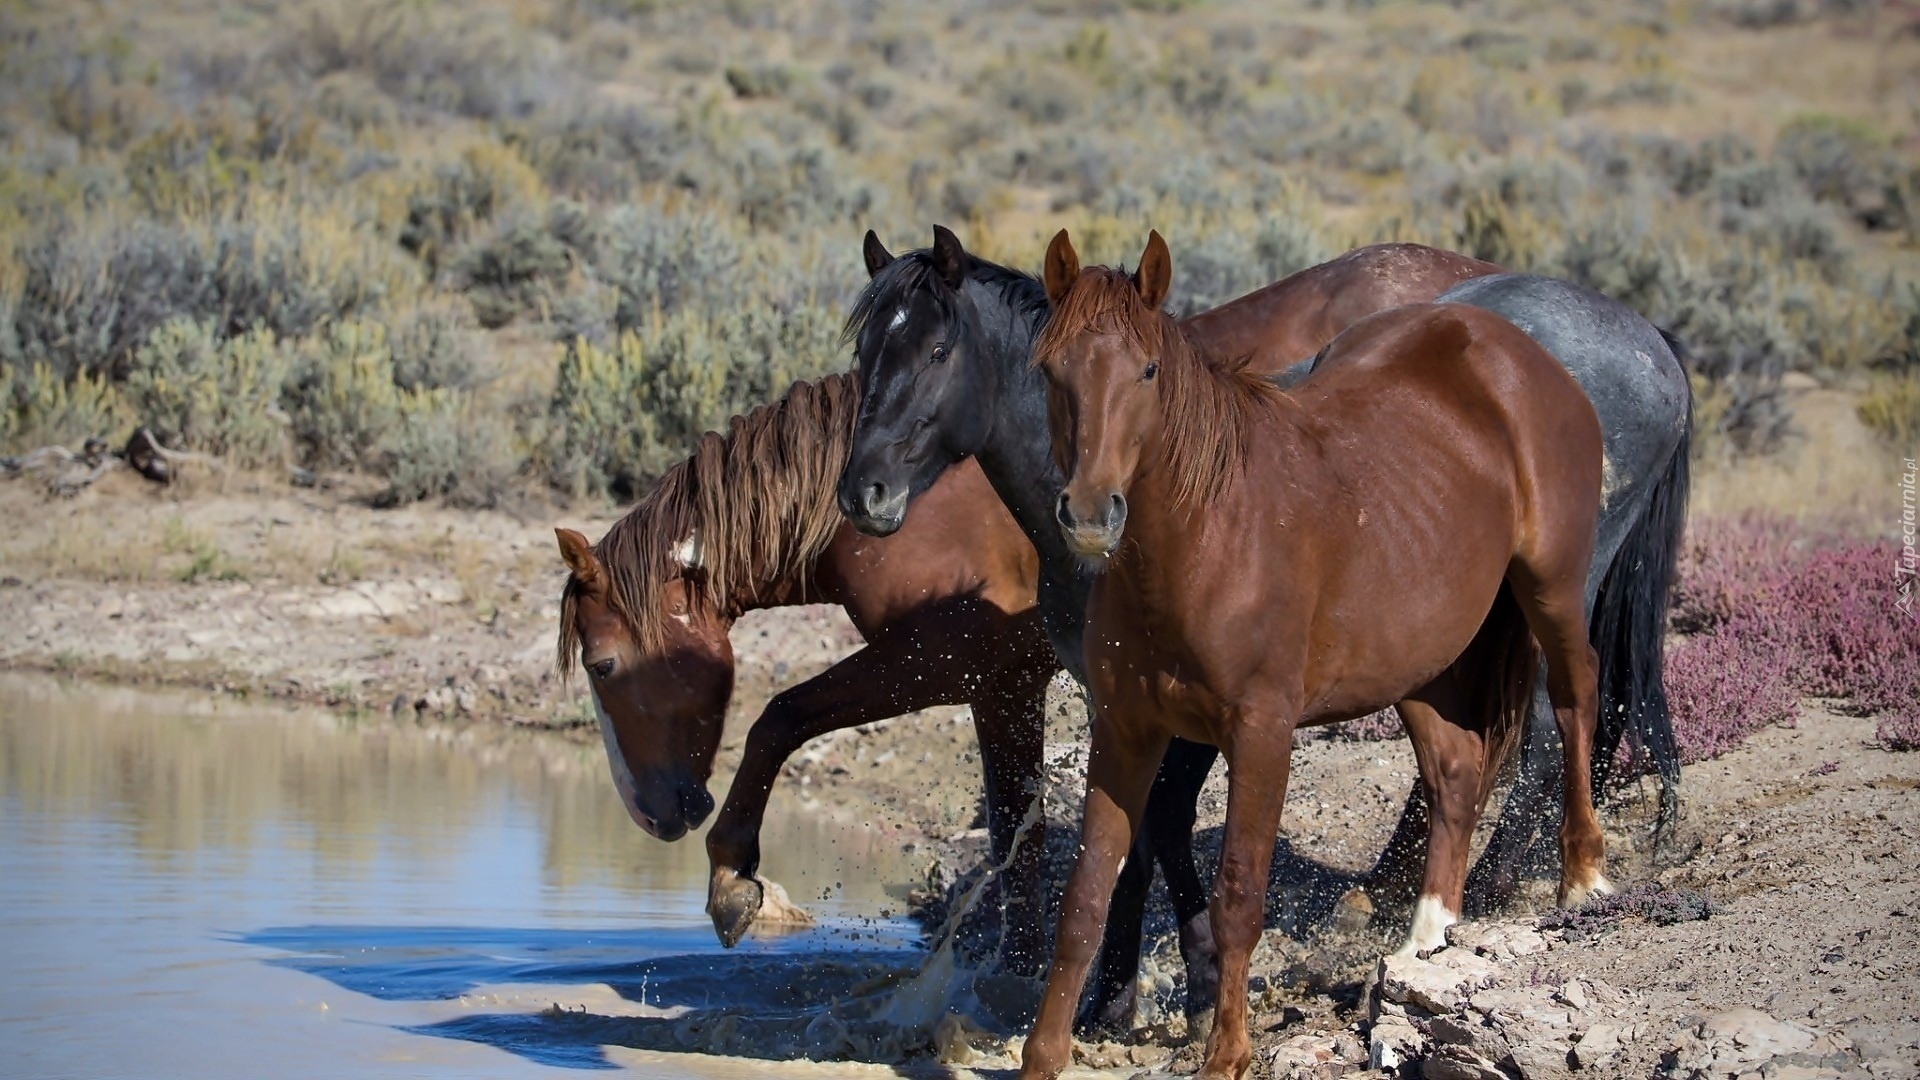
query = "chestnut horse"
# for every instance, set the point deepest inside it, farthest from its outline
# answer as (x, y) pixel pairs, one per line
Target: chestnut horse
(944, 341)
(748, 522)
(1388, 531)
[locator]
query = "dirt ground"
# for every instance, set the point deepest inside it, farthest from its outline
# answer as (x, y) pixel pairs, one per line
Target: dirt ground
(1804, 841)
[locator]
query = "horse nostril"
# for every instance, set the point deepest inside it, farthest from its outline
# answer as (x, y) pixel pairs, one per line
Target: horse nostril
(876, 496)
(1061, 513)
(1117, 513)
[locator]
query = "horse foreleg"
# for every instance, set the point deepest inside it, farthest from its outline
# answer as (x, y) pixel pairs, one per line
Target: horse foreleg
(1120, 768)
(1011, 728)
(889, 677)
(1165, 838)
(1171, 809)
(1258, 761)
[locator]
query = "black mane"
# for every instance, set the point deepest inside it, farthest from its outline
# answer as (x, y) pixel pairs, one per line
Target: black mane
(914, 270)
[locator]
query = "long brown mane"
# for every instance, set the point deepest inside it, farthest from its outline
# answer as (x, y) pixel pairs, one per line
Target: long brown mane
(1206, 404)
(760, 497)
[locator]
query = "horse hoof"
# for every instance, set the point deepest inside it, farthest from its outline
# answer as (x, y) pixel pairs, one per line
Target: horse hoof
(732, 902)
(1572, 895)
(1109, 1018)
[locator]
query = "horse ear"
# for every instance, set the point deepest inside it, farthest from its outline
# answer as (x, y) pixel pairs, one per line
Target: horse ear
(1061, 268)
(1155, 272)
(877, 254)
(949, 258)
(581, 560)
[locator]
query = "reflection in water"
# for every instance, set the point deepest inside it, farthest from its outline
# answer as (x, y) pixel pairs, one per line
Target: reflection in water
(439, 881)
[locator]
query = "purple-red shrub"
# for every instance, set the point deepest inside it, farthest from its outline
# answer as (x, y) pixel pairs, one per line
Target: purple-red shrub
(1778, 611)
(1723, 687)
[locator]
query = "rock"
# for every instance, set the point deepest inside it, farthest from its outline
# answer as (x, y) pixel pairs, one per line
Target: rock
(1439, 984)
(1756, 1033)
(1303, 1055)
(1598, 1044)
(1459, 1063)
(777, 909)
(1733, 1043)
(1538, 1052)
(1353, 911)
(1573, 994)
(1497, 940)
(1392, 1042)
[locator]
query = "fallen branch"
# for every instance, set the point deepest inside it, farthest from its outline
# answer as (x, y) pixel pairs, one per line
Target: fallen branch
(148, 457)
(67, 474)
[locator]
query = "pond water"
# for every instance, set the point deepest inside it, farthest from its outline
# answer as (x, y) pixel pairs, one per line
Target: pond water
(192, 888)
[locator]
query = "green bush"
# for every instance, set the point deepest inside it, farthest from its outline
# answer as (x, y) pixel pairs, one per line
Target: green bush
(200, 393)
(447, 445)
(435, 345)
(47, 410)
(341, 400)
(619, 416)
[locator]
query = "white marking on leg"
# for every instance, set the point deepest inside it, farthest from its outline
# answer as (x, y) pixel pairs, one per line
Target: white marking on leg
(617, 764)
(1430, 921)
(1581, 892)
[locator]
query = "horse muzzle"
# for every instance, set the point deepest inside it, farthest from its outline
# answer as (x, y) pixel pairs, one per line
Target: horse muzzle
(684, 808)
(874, 507)
(1093, 535)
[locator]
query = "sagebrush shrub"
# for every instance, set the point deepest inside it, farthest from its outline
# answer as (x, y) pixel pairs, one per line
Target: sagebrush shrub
(435, 345)
(197, 392)
(341, 400)
(445, 444)
(620, 415)
(45, 409)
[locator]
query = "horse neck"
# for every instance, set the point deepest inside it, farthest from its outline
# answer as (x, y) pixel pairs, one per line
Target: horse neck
(1017, 455)
(1017, 460)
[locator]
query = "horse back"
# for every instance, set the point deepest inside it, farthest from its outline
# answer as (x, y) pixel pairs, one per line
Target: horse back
(1289, 319)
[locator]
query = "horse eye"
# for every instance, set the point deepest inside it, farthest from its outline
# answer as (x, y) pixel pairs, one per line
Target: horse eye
(939, 353)
(1152, 370)
(601, 668)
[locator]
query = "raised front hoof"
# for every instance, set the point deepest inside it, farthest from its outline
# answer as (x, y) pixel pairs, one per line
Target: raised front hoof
(1575, 893)
(732, 902)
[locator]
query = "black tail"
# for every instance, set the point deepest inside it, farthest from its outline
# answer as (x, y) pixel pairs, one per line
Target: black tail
(1630, 625)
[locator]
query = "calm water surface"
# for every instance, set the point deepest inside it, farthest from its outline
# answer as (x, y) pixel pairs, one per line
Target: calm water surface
(196, 889)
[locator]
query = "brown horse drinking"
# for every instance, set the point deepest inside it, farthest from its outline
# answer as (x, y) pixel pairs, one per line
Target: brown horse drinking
(749, 521)
(1389, 531)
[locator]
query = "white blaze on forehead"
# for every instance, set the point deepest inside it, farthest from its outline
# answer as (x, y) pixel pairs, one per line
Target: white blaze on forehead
(899, 319)
(617, 764)
(689, 552)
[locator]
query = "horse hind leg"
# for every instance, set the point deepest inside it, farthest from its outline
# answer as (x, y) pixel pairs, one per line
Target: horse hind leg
(1450, 746)
(1554, 602)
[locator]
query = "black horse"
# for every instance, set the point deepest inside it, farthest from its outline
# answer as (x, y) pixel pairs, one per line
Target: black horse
(944, 342)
